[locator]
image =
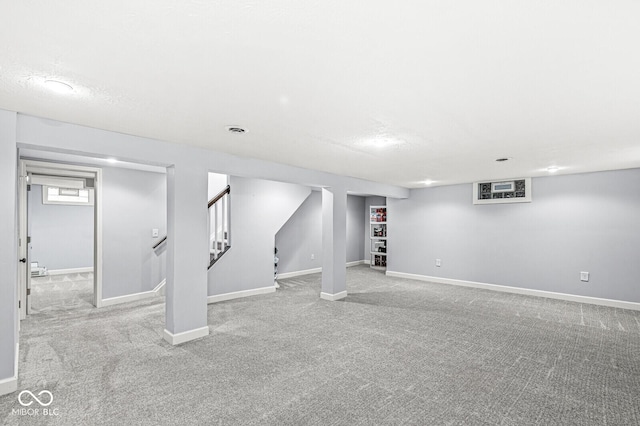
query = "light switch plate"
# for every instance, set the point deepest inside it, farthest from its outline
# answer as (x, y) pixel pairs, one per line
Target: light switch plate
(154, 233)
(438, 262)
(584, 276)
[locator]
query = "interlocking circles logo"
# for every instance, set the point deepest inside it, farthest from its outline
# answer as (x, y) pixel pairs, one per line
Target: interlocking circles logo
(24, 401)
(35, 404)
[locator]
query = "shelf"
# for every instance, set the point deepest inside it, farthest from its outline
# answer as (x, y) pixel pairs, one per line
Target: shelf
(378, 237)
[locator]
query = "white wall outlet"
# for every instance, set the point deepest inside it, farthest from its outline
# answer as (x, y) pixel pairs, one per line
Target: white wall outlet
(584, 276)
(154, 233)
(438, 263)
(313, 256)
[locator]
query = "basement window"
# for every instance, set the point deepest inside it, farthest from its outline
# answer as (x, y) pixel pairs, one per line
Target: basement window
(504, 191)
(67, 196)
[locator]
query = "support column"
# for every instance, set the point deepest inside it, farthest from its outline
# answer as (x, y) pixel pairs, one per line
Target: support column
(8, 254)
(334, 244)
(187, 254)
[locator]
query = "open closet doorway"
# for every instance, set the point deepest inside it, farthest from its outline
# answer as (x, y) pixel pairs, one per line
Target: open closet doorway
(60, 236)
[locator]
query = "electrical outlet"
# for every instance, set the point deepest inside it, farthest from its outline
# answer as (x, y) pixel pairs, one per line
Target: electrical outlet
(313, 256)
(438, 263)
(584, 276)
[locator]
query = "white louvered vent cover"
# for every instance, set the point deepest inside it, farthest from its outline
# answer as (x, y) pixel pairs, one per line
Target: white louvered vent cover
(503, 191)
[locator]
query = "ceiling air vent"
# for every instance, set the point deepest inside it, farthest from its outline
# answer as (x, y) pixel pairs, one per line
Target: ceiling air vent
(503, 191)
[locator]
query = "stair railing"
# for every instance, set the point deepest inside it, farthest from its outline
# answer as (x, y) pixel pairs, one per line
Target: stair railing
(219, 226)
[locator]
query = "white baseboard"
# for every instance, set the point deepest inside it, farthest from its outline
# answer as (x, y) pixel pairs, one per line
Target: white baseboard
(333, 297)
(160, 288)
(10, 384)
(282, 276)
(185, 336)
(315, 270)
(238, 294)
(158, 291)
(367, 261)
(526, 291)
(69, 271)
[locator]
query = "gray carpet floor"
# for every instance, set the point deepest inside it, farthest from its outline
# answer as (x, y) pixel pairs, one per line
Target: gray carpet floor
(394, 352)
(53, 293)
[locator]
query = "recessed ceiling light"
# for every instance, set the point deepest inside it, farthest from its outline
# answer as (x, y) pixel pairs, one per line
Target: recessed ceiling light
(552, 169)
(428, 182)
(58, 87)
(236, 129)
(503, 159)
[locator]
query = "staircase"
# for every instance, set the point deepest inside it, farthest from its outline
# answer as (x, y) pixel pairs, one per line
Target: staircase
(219, 218)
(219, 229)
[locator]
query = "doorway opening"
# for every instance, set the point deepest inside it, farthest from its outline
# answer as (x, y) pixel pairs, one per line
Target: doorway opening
(60, 236)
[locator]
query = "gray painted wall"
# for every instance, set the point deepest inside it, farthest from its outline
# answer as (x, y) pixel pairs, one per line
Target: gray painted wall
(61, 235)
(8, 244)
(134, 202)
(184, 307)
(355, 223)
(301, 236)
(259, 208)
(586, 222)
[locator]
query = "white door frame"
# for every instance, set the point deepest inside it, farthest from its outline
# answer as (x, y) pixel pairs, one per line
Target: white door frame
(60, 169)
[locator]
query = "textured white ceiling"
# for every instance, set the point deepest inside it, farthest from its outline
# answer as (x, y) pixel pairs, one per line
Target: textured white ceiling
(449, 85)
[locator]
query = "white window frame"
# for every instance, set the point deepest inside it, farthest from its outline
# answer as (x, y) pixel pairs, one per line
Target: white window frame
(526, 199)
(67, 202)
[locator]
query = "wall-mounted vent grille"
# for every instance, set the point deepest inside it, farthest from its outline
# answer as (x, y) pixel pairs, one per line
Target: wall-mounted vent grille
(503, 191)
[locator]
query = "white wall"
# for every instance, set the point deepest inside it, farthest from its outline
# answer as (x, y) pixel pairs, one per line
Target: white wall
(217, 182)
(259, 208)
(61, 235)
(134, 202)
(585, 222)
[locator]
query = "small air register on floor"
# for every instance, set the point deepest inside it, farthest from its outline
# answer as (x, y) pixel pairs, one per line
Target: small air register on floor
(38, 271)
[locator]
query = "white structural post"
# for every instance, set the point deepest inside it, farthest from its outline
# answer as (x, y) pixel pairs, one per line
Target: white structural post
(187, 254)
(334, 243)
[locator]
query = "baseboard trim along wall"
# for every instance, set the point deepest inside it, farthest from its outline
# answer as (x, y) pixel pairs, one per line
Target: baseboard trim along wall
(10, 384)
(238, 294)
(157, 291)
(185, 336)
(284, 275)
(526, 291)
(333, 297)
(70, 271)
